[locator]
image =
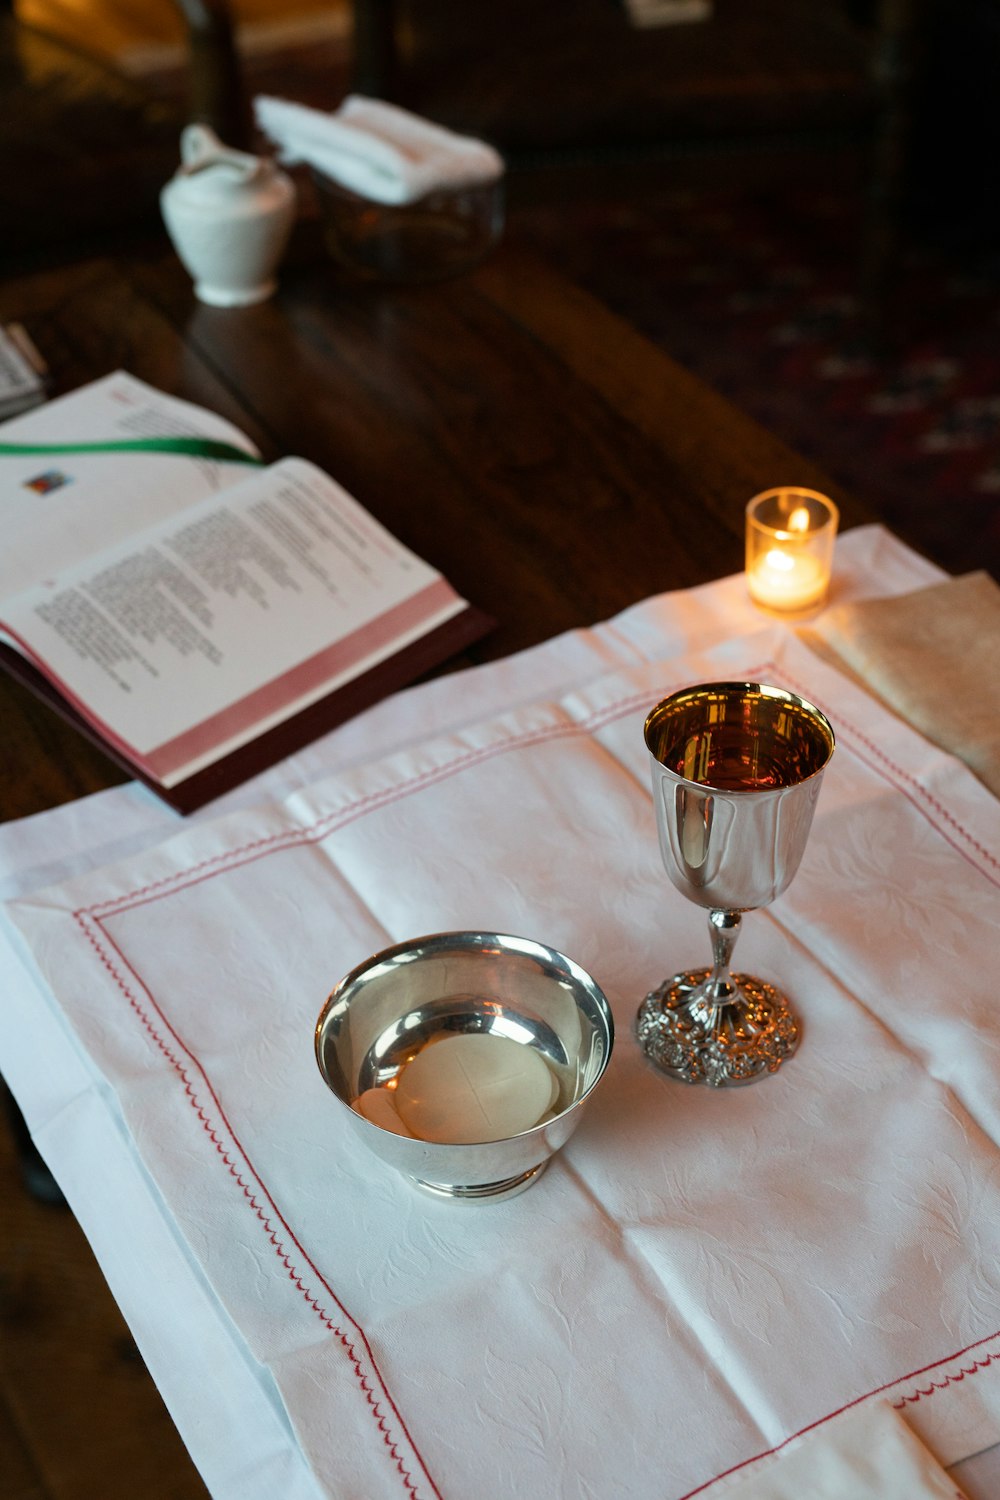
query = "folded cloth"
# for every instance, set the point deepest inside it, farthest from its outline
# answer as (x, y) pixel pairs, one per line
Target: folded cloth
(930, 656)
(377, 149)
(868, 1453)
(228, 1407)
(634, 1324)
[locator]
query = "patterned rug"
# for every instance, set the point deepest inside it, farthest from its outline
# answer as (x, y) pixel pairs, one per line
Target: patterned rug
(757, 290)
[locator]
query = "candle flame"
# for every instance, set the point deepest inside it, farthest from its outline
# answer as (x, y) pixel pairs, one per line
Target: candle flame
(799, 519)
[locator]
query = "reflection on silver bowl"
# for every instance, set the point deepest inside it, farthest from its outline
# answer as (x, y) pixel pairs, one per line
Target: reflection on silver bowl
(388, 1009)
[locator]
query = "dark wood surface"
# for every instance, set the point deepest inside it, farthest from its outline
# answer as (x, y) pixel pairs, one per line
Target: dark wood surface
(83, 150)
(552, 463)
(578, 74)
(510, 430)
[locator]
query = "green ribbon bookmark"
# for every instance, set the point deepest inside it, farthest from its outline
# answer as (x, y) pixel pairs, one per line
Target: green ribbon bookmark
(191, 447)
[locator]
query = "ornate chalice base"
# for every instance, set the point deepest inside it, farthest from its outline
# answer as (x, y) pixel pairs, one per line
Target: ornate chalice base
(697, 1038)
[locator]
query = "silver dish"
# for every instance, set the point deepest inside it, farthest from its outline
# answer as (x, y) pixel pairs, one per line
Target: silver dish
(388, 1008)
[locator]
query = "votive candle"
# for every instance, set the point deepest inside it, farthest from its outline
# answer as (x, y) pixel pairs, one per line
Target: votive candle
(789, 549)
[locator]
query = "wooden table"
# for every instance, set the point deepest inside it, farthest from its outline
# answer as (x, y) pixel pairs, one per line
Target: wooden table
(505, 426)
(547, 459)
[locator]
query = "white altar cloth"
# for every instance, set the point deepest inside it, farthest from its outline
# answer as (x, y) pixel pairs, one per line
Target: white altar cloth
(699, 1276)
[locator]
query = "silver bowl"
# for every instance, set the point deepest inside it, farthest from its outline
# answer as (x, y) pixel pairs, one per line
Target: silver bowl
(387, 1009)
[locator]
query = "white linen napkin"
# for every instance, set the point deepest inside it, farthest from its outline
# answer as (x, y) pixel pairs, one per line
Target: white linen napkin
(932, 656)
(378, 150)
(649, 1315)
(225, 1403)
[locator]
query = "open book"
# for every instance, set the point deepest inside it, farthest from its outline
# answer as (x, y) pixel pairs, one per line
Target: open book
(199, 614)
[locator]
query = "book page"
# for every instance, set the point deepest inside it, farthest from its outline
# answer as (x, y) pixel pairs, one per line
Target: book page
(57, 509)
(210, 627)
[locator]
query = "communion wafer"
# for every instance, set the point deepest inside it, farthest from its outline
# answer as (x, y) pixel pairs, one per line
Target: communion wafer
(378, 1107)
(473, 1088)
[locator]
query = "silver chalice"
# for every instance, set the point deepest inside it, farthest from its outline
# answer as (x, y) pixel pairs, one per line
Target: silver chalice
(736, 769)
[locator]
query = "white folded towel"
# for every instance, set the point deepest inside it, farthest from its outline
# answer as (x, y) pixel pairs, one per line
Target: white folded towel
(376, 149)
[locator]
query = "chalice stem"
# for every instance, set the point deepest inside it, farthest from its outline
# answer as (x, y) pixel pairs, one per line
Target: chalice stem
(723, 929)
(720, 988)
(703, 1026)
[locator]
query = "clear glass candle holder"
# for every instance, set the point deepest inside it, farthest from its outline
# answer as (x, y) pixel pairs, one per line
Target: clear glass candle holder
(790, 535)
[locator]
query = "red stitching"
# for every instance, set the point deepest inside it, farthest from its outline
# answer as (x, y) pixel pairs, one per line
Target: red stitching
(936, 1385)
(319, 829)
(925, 792)
(280, 1250)
(322, 826)
(918, 786)
(849, 1406)
(330, 822)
